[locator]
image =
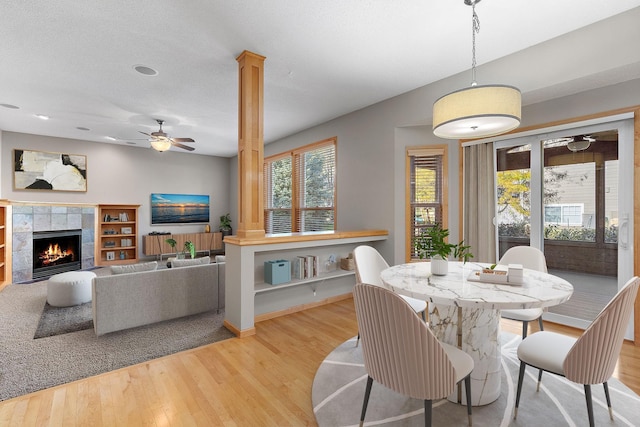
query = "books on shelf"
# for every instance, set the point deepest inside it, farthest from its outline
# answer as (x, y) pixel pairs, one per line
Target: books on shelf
(304, 267)
(297, 268)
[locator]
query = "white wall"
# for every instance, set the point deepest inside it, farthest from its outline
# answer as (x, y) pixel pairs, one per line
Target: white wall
(127, 175)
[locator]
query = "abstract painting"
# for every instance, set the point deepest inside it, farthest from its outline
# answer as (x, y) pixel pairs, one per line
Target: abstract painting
(41, 170)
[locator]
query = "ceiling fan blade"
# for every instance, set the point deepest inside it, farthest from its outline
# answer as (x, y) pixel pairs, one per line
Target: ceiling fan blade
(184, 147)
(144, 133)
(183, 139)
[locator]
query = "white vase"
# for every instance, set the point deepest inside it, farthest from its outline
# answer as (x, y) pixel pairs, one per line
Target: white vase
(439, 265)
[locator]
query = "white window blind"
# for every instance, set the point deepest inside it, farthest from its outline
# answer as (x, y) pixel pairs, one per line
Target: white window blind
(300, 189)
(425, 191)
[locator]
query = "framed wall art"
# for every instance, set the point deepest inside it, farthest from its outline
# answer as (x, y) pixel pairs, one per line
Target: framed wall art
(179, 208)
(42, 170)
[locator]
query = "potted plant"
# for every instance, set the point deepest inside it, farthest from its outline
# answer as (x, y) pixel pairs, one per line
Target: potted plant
(189, 248)
(432, 244)
(225, 225)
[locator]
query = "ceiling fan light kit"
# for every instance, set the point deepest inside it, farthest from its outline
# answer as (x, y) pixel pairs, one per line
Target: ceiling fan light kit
(160, 144)
(579, 143)
(480, 110)
(160, 141)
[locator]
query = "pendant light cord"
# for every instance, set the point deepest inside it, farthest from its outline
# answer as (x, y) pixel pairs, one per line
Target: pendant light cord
(475, 28)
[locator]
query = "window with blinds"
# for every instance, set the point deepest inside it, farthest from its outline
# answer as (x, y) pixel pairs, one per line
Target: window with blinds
(426, 190)
(300, 189)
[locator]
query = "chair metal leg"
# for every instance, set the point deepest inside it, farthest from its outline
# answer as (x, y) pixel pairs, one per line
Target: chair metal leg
(427, 413)
(467, 390)
(606, 393)
(539, 380)
(525, 326)
(540, 323)
(587, 395)
(367, 392)
(520, 379)
(358, 340)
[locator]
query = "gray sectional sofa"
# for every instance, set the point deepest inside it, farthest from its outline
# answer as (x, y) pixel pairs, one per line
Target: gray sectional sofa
(131, 297)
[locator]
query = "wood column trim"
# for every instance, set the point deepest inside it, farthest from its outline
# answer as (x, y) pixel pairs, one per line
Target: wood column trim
(250, 145)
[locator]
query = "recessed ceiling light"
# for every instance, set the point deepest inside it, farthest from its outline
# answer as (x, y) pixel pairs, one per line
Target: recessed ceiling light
(42, 116)
(82, 128)
(110, 138)
(13, 107)
(147, 71)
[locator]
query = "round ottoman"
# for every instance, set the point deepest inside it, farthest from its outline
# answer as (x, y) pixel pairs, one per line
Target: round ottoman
(71, 288)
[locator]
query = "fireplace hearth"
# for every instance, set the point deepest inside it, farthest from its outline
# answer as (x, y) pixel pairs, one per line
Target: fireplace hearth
(56, 252)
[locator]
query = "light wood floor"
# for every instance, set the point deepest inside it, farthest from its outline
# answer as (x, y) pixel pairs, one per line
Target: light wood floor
(263, 380)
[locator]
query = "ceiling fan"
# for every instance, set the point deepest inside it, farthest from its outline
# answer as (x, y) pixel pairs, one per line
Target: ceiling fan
(580, 143)
(160, 141)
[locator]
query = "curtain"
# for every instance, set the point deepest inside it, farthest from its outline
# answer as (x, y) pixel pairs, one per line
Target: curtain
(479, 202)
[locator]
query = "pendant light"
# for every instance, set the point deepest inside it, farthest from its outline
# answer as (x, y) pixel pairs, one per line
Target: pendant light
(480, 110)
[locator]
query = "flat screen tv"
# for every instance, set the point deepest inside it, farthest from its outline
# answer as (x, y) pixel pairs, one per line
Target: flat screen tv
(179, 209)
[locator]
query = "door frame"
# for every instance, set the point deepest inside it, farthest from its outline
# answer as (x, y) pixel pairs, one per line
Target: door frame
(632, 112)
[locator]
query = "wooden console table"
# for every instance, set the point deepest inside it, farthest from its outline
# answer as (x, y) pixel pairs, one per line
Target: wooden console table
(155, 244)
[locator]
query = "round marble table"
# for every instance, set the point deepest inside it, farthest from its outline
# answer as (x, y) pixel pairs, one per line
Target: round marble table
(466, 312)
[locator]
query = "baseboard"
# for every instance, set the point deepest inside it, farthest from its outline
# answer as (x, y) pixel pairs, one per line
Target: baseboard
(302, 307)
(239, 333)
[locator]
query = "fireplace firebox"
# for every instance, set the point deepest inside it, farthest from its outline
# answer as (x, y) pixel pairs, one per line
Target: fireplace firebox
(56, 252)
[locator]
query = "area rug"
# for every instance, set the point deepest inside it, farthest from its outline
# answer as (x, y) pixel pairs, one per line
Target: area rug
(338, 392)
(63, 320)
(28, 364)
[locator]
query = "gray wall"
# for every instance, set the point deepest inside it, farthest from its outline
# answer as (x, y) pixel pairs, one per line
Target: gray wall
(556, 78)
(127, 175)
(371, 150)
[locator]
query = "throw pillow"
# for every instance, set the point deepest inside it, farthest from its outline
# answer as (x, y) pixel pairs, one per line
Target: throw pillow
(134, 268)
(176, 263)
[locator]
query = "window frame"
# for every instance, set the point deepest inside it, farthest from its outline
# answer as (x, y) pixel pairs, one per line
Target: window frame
(443, 191)
(296, 209)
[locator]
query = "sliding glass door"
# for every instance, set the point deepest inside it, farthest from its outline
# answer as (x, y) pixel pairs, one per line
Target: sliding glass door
(569, 193)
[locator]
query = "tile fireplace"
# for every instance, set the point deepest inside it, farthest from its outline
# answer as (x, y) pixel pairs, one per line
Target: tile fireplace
(33, 221)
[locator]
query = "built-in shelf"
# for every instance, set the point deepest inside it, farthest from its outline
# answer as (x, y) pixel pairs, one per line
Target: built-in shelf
(251, 297)
(5, 259)
(113, 223)
(265, 287)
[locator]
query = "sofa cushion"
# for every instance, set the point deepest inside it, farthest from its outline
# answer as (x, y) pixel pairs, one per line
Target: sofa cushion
(220, 258)
(134, 268)
(176, 263)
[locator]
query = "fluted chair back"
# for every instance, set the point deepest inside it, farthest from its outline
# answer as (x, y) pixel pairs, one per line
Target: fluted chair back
(593, 357)
(530, 257)
(399, 350)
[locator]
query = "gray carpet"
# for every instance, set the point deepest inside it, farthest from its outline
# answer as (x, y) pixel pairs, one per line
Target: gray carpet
(63, 320)
(338, 391)
(28, 364)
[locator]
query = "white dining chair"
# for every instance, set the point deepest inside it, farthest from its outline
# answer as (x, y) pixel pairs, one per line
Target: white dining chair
(589, 359)
(401, 353)
(369, 264)
(533, 259)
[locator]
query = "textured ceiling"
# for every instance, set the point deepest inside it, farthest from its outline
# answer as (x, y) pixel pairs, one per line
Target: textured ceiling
(73, 60)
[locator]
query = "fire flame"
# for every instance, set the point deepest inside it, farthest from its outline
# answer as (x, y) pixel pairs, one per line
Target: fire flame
(53, 254)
